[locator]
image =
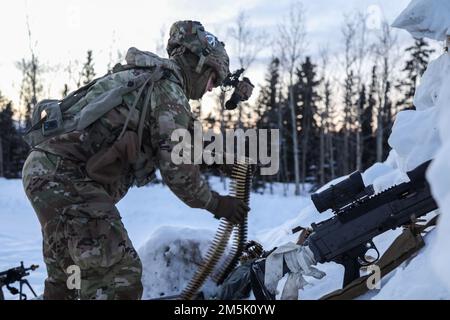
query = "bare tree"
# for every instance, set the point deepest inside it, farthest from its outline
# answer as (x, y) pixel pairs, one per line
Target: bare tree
(291, 46)
(357, 49)
(31, 86)
(248, 43)
(161, 42)
(362, 49)
(71, 80)
(384, 51)
(348, 34)
(326, 154)
(115, 55)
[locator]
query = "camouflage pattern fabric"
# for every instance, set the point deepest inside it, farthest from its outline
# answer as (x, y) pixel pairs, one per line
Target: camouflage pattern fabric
(80, 222)
(80, 226)
(171, 112)
(209, 50)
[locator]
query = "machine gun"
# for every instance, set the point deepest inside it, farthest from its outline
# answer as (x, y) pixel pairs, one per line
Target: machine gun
(12, 275)
(359, 216)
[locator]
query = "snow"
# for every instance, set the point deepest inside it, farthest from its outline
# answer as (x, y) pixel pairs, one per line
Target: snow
(169, 255)
(432, 19)
(20, 236)
(426, 18)
(417, 136)
(439, 176)
(172, 238)
(155, 219)
(422, 140)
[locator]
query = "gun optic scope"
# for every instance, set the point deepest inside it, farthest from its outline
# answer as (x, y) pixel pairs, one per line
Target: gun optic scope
(339, 195)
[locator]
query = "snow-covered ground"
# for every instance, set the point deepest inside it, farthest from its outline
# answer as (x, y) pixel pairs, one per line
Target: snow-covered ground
(171, 238)
(150, 214)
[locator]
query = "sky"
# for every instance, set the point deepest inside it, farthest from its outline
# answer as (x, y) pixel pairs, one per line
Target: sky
(62, 31)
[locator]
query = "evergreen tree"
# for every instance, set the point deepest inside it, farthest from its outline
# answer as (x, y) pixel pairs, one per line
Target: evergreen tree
(324, 119)
(367, 128)
(65, 90)
(308, 98)
(87, 72)
(9, 141)
(269, 114)
(267, 106)
(346, 163)
(328, 116)
(361, 108)
(8, 137)
(387, 118)
(415, 66)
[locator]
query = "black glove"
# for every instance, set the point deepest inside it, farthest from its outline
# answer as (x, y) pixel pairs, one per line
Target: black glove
(228, 207)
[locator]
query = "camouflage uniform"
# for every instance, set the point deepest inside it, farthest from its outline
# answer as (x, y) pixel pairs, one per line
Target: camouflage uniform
(75, 178)
(80, 222)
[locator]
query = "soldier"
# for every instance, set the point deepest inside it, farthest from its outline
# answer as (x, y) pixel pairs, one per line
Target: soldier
(89, 149)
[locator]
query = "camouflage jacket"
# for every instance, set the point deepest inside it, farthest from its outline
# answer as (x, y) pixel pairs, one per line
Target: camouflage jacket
(97, 151)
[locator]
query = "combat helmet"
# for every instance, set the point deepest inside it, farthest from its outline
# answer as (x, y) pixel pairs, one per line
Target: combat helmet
(191, 35)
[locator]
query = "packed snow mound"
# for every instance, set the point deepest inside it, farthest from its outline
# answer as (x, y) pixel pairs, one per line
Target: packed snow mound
(432, 82)
(415, 279)
(21, 238)
(439, 176)
(417, 136)
(431, 19)
(422, 141)
(170, 258)
(426, 19)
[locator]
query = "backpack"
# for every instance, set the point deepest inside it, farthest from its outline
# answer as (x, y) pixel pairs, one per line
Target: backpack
(89, 103)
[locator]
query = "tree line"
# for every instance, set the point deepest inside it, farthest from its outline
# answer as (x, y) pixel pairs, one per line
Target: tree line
(334, 111)
(14, 122)
(339, 126)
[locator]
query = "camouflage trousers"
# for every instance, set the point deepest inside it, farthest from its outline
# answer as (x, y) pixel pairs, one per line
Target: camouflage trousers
(81, 227)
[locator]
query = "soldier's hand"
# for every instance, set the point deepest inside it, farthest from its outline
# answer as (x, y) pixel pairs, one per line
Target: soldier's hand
(230, 208)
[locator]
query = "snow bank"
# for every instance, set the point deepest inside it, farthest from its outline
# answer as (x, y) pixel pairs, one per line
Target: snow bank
(20, 235)
(439, 176)
(421, 141)
(431, 19)
(170, 258)
(417, 136)
(172, 252)
(426, 18)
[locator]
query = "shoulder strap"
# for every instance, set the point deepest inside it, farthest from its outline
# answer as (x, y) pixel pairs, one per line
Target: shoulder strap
(156, 75)
(76, 95)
